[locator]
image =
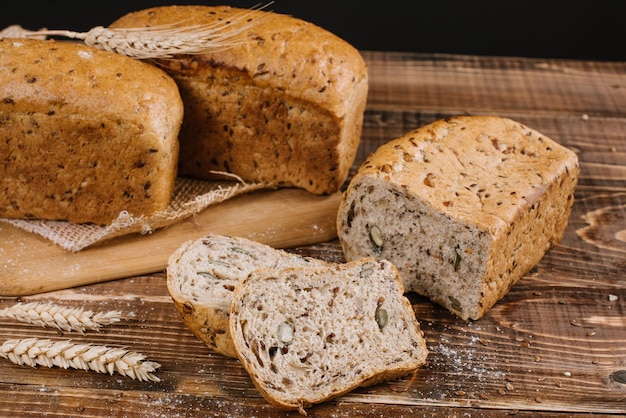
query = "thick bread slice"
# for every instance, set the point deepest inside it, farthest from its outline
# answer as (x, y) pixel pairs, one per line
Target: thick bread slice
(201, 277)
(283, 103)
(306, 335)
(464, 207)
(85, 133)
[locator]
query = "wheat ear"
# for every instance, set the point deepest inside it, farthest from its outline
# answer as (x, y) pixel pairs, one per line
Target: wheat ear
(161, 41)
(66, 354)
(65, 319)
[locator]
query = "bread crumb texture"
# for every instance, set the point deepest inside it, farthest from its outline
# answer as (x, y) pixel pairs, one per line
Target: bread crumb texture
(283, 104)
(84, 133)
(202, 275)
(464, 207)
(306, 335)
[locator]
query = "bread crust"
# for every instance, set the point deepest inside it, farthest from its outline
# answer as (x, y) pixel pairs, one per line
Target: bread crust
(85, 133)
(464, 207)
(284, 104)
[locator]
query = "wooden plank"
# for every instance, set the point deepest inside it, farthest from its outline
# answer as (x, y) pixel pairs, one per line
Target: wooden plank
(281, 218)
(511, 359)
(514, 86)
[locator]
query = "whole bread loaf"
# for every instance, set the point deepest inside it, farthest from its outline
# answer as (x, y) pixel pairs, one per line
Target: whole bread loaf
(202, 275)
(464, 207)
(283, 103)
(306, 335)
(84, 133)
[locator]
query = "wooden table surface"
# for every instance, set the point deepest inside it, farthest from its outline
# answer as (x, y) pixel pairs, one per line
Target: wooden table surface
(555, 345)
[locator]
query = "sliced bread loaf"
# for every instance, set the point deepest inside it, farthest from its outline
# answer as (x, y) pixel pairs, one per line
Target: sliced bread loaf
(464, 207)
(306, 335)
(201, 277)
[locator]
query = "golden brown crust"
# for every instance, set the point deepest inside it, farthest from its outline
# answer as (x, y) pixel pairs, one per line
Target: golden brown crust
(284, 104)
(86, 133)
(207, 323)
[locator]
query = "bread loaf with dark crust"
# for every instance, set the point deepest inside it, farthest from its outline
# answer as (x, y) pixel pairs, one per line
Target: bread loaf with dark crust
(202, 275)
(307, 335)
(283, 104)
(84, 134)
(464, 207)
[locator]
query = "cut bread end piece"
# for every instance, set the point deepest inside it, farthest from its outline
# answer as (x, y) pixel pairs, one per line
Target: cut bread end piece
(464, 207)
(201, 277)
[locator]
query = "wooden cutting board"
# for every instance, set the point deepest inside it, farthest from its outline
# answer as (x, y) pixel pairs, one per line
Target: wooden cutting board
(284, 218)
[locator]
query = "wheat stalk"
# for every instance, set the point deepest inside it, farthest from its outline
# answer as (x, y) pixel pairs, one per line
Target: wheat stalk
(16, 31)
(66, 354)
(65, 319)
(161, 41)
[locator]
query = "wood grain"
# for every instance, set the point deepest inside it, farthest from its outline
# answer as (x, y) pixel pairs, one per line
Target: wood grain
(34, 265)
(554, 346)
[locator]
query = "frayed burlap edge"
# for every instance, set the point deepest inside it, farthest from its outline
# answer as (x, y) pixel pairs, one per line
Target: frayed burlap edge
(190, 197)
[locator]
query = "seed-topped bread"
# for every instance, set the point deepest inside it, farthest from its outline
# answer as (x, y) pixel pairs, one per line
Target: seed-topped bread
(464, 207)
(201, 277)
(85, 133)
(306, 335)
(283, 103)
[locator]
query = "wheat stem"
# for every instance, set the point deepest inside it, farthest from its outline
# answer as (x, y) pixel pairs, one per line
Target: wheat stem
(65, 319)
(162, 41)
(66, 354)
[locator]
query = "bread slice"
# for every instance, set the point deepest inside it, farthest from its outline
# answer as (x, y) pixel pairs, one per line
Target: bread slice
(283, 103)
(306, 335)
(85, 133)
(201, 278)
(464, 207)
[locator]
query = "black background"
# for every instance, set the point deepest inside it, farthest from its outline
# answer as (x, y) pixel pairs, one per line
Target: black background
(594, 30)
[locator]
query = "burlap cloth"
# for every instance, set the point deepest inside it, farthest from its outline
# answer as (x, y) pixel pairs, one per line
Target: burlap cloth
(190, 197)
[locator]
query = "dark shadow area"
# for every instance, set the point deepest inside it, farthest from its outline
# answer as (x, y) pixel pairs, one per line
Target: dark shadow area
(545, 29)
